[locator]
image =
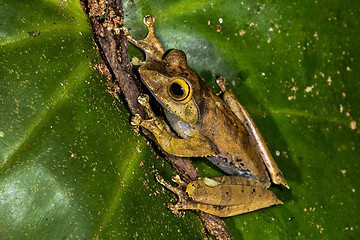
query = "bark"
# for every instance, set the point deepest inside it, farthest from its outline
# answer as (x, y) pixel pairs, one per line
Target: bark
(107, 18)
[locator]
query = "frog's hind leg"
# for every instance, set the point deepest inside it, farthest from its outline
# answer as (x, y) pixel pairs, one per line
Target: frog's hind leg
(230, 100)
(184, 201)
(246, 200)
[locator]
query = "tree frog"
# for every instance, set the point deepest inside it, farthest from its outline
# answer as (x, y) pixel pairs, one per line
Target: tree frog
(202, 124)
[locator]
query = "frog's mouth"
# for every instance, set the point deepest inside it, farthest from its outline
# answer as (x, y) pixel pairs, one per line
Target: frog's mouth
(158, 81)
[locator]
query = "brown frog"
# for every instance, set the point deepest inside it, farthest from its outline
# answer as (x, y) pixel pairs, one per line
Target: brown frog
(204, 125)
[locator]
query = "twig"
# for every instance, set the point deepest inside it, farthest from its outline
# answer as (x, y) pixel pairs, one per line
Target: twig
(107, 19)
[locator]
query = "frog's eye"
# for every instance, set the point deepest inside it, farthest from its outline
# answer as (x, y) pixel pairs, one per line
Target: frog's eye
(175, 57)
(179, 90)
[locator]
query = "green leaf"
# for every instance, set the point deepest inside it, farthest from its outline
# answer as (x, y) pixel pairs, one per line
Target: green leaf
(72, 167)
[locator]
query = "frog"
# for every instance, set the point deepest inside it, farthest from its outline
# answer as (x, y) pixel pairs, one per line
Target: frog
(200, 123)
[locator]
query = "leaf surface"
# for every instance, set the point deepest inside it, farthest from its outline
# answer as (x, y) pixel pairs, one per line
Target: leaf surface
(72, 167)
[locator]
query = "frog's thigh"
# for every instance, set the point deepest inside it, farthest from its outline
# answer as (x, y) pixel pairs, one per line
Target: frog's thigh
(224, 211)
(275, 173)
(229, 191)
(192, 147)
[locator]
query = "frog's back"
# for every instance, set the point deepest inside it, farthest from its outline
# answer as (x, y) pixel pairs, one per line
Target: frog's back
(231, 141)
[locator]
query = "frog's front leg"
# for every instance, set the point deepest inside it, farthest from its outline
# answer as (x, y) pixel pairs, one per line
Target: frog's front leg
(150, 44)
(230, 100)
(190, 147)
(221, 196)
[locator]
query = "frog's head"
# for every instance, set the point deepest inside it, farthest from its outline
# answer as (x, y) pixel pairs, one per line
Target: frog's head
(173, 84)
(168, 76)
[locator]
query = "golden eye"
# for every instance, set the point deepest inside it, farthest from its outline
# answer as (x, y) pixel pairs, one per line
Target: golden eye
(179, 90)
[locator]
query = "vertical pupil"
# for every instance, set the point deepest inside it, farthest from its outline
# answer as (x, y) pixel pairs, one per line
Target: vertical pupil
(177, 89)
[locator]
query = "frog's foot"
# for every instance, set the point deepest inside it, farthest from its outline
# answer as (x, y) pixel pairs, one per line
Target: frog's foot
(129, 37)
(136, 120)
(150, 44)
(126, 32)
(179, 181)
(221, 82)
(136, 62)
(178, 191)
(143, 99)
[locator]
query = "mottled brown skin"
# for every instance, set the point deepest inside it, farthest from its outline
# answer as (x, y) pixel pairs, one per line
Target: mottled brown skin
(216, 122)
(206, 126)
